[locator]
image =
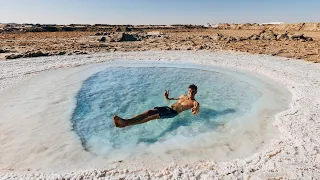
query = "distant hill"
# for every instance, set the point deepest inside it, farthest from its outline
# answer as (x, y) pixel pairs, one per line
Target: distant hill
(277, 26)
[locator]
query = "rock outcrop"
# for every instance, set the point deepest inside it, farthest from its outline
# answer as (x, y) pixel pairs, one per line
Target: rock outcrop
(8, 28)
(122, 37)
(265, 35)
(274, 27)
(300, 37)
(27, 54)
(103, 39)
(50, 29)
(283, 36)
(4, 51)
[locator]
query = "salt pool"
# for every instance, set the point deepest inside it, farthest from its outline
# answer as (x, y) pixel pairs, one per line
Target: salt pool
(232, 104)
(128, 91)
(235, 120)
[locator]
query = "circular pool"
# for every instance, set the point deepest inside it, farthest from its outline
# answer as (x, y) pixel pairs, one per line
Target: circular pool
(234, 119)
(65, 116)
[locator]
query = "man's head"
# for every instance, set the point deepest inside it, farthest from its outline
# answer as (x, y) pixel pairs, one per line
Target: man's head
(192, 90)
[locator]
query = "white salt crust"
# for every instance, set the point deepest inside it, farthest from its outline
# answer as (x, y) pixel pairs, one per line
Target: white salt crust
(295, 154)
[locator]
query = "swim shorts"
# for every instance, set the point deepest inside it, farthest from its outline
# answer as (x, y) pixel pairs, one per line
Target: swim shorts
(166, 112)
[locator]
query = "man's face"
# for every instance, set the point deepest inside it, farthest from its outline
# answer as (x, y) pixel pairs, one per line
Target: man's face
(191, 92)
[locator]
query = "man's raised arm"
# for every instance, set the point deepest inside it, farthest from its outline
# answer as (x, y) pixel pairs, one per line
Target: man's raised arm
(166, 95)
(196, 108)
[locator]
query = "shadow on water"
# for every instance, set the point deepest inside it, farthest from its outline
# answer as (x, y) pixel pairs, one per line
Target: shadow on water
(204, 117)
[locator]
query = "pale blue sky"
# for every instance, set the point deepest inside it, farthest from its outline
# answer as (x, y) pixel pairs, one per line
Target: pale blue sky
(158, 11)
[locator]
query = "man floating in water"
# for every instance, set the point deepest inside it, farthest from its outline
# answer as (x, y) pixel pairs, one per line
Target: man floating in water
(184, 103)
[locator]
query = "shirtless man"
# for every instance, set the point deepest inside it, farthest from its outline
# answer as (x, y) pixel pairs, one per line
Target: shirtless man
(184, 103)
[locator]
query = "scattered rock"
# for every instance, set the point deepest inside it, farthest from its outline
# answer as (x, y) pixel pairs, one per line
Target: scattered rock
(31, 54)
(4, 51)
(128, 29)
(265, 35)
(222, 37)
(114, 37)
(33, 29)
(237, 38)
(67, 28)
(129, 37)
(121, 37)
(116, 29)
(268, 35)
(219, 36)
(283, 36)
(231, 39)
(103, 39)
(307, 38)
(35, 54)
(50, 28)
(14, 56)
(300, 37)
(261, 32)
(254, 37)
(62, 53)
(79, 52)
(200, 47)
(121, 29)
(296, 36)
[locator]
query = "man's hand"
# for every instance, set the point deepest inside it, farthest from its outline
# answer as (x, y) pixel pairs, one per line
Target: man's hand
(166, 94)
(196, 108)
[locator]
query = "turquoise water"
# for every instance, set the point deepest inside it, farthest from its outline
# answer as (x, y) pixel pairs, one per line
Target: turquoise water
(128, 91)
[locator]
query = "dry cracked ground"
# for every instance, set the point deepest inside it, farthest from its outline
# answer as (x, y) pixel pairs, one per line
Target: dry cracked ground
(291, 44)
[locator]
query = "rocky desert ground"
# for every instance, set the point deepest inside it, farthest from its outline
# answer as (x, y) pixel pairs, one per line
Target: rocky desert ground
(32, 146)
(300, 41)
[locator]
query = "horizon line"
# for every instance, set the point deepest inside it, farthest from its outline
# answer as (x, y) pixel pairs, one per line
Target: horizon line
(152, 24)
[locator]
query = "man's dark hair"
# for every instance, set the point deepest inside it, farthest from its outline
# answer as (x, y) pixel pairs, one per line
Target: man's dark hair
(193, 87)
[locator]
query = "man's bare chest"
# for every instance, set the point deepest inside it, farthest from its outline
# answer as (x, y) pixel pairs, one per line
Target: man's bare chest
(186, 103)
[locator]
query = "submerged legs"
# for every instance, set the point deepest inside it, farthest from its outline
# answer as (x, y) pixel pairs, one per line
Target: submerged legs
(138, 119)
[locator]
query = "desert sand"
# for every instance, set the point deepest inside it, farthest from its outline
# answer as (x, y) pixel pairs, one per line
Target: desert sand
(300, 41)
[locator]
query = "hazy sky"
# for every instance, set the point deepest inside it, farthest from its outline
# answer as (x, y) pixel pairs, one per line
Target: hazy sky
(158, 11)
